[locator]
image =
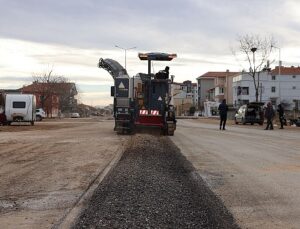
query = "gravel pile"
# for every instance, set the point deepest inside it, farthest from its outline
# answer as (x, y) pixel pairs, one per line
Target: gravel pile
(154, 186)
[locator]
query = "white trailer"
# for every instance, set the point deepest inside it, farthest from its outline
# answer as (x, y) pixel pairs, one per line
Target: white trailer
(20, 108)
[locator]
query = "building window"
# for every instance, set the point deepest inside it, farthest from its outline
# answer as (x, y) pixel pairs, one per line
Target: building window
(243, 91)
(273, 77)
(273, 89)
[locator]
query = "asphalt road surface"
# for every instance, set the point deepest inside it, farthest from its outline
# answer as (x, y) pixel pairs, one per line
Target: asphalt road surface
(255, 172)
(154, 186)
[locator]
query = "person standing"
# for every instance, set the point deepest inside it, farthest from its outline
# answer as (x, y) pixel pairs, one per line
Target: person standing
(167, 68)
(269, 115)
(223, 108)
(280, 111)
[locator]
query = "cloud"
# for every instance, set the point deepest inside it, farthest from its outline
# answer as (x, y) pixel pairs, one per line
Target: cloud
(174, 25)
(72, 35)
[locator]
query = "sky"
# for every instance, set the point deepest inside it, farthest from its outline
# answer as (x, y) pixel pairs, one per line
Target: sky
(70, 36)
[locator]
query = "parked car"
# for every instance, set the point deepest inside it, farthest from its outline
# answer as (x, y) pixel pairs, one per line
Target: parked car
(75, 115)
(40, 114)
(295, 122)
(250, 113)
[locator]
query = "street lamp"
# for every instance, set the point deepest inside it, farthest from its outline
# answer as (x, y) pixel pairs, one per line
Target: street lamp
(253, 50)
(125, 50)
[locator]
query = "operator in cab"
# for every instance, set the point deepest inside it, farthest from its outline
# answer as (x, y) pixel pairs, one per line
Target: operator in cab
(163, 74)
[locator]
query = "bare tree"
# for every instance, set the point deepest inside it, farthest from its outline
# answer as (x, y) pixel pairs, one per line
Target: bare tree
(53, 89)
(256, 51)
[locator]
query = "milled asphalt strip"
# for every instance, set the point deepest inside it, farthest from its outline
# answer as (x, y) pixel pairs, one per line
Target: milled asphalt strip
(70, 216)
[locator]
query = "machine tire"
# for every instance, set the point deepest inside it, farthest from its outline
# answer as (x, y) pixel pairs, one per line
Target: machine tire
(243, 121)
(119, 132)
(236, 122)
(171, 133)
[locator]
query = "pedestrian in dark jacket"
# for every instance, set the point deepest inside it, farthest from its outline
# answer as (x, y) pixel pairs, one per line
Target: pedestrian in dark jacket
(223, 108)
(269, 115)
(280, 111)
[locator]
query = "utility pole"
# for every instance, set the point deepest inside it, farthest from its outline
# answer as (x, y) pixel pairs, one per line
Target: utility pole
(279, 71)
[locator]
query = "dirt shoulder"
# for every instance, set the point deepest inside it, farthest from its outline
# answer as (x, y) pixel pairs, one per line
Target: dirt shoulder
(46, 168)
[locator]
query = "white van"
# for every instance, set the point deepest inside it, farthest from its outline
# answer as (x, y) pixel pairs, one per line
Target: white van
(20, 108)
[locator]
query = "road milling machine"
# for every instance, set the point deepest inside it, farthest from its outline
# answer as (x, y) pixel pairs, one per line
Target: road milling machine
(144, 99)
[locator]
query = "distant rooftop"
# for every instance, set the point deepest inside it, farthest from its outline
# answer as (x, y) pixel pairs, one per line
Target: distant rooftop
(218, 74)
(286, 70)
(10, 91)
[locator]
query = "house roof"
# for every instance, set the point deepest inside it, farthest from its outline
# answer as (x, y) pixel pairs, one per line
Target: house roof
(10, 91)
(57, 87)
(286, 70)
(183, 84)
(217, 74)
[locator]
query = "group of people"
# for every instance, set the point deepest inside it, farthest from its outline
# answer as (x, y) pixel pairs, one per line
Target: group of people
(269, 115)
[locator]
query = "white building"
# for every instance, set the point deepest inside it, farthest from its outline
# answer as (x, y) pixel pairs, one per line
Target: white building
(185, 96)
(281, 85)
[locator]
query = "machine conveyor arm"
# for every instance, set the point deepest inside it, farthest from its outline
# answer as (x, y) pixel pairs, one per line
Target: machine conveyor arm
(113, 67)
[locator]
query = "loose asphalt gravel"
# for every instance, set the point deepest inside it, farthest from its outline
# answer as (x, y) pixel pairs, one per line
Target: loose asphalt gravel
(154, 186)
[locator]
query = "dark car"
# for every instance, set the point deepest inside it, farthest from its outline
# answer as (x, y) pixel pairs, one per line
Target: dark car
(250, 113)
(295, 122)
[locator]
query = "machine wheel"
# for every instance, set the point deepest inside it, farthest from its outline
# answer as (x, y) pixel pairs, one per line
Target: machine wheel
(38, 118)
(120, 131)
(243, 121)
(236, 122)
(170, 129)
(171, 133)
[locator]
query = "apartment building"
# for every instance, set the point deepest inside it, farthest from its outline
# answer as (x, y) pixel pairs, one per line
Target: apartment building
(215, 86)
(185, 96)
(280, 85)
